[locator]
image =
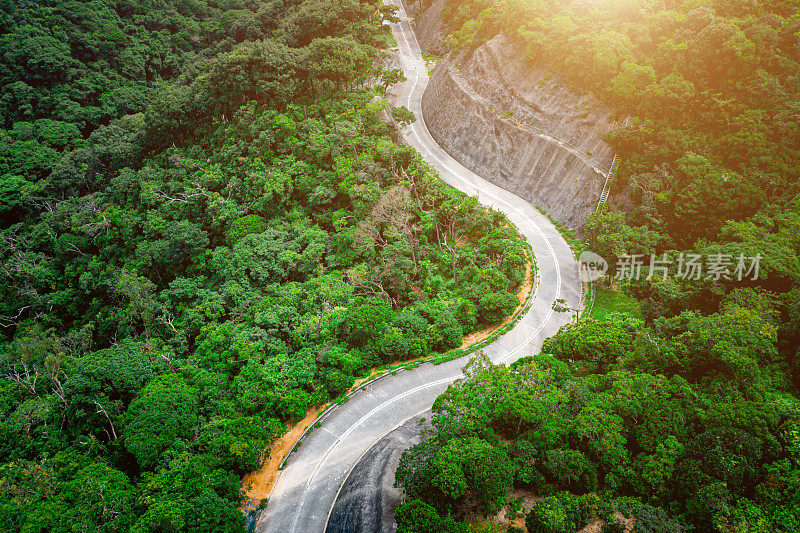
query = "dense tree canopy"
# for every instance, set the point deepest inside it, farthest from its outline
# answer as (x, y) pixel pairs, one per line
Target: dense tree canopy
(207, 230)
(684, 417)
(706, 96)
(686, 454)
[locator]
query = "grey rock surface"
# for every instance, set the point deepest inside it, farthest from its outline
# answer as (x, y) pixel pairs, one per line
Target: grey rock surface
(520, 127)
(428, 25)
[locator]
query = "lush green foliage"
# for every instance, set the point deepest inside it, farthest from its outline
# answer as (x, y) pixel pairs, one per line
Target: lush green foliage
(685, 416)
(206, 231)
(711, 88)
(561, 513)
(714, 457)
(688, 421)
(707, 97)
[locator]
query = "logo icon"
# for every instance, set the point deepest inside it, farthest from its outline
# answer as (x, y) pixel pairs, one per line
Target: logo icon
(592, 266)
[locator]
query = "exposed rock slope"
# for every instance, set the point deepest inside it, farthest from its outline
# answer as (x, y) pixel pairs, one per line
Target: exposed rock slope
(429, 27)
(518, 125)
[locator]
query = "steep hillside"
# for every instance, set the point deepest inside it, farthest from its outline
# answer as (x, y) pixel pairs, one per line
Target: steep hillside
(521, 127)
(515, 123)
(429, 26)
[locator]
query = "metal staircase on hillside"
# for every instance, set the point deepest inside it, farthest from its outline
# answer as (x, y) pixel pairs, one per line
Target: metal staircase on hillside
(610, 175)
(607, 184)
(591, 296)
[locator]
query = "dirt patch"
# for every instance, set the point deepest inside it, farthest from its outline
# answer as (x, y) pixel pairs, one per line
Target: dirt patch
(528, 499)
(258, 484)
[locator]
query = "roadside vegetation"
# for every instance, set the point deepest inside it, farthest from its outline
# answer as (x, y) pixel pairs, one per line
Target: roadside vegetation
(673, 406)
(609, 301)
(207, 230)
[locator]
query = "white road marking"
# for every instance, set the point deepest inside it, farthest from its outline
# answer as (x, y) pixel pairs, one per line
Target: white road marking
(400, 32)
(331, 432)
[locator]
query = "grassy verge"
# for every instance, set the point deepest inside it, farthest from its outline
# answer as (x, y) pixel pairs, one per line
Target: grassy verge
(609, 301)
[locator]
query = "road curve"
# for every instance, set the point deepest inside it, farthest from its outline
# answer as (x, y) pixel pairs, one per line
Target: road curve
(305, 492)
(368, 499)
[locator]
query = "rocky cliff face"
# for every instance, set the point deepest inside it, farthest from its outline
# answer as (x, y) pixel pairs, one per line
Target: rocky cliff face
(517, 125)
(429, 26)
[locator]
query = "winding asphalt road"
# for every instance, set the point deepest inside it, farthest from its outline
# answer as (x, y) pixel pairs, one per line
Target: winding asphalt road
(368, 499)
(304, 495)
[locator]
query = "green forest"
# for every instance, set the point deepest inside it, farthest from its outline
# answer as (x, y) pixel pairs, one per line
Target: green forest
(684, 415)
(207, 229)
